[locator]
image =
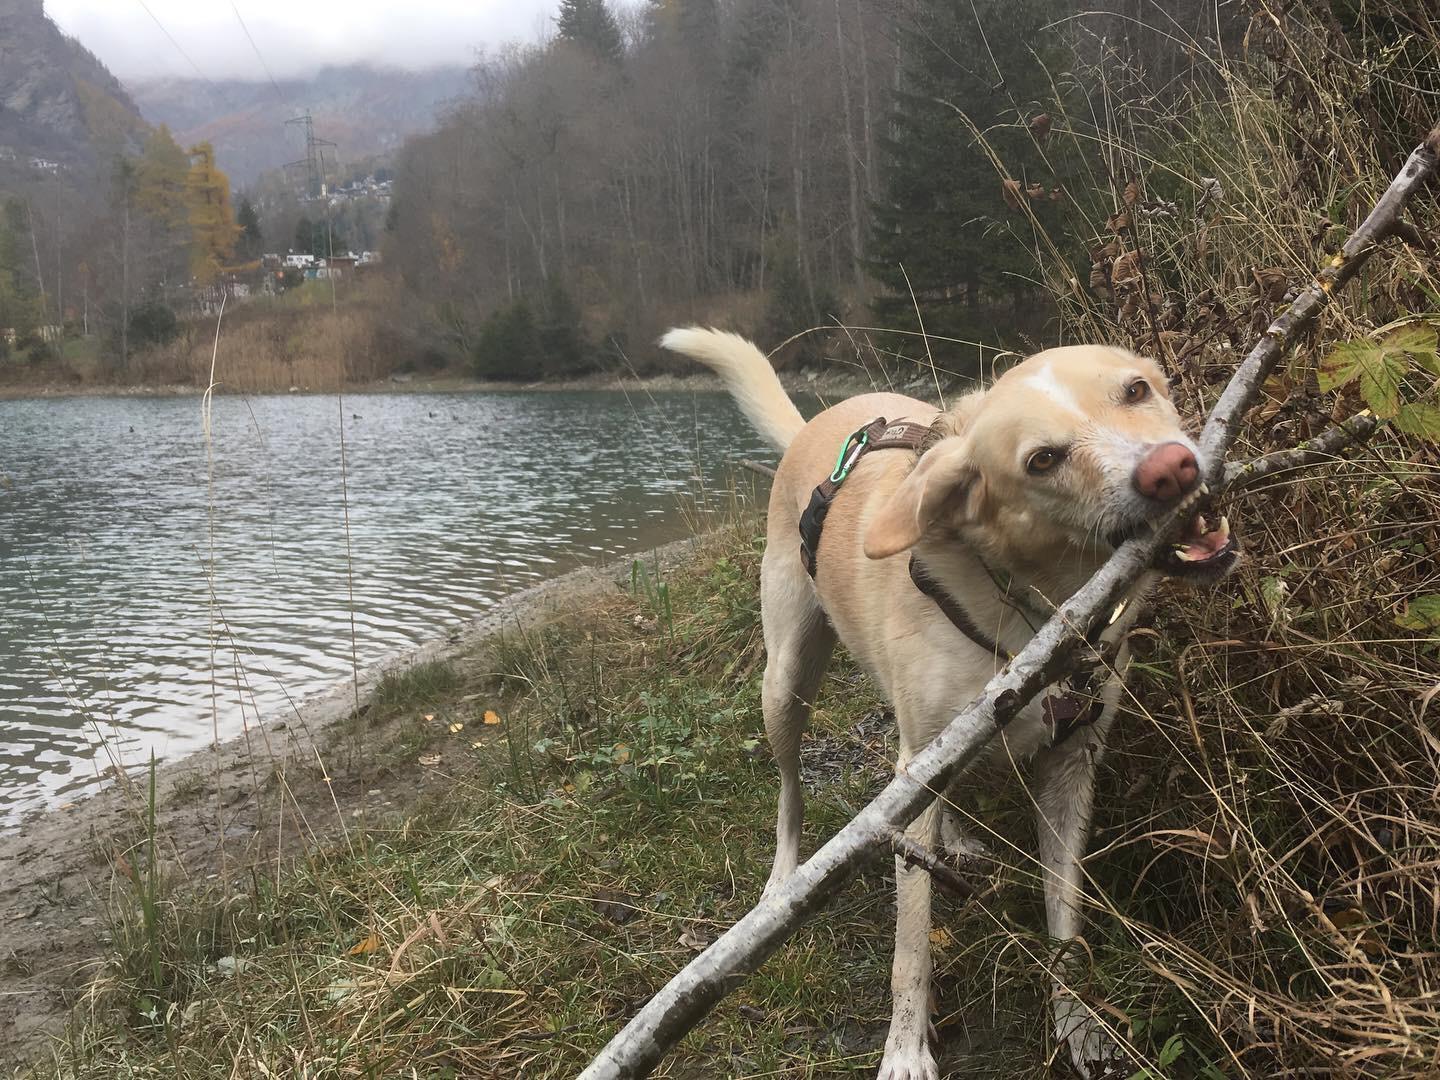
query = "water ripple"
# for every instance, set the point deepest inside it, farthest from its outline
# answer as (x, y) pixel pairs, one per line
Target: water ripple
(107, 542)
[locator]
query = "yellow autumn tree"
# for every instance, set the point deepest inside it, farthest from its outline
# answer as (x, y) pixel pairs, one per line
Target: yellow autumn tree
(213, 231)
(161, 180)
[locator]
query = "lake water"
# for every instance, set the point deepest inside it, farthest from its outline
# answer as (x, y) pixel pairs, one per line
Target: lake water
(110, 510)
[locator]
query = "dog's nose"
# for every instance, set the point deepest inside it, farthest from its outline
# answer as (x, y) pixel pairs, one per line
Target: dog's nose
(1167, 472)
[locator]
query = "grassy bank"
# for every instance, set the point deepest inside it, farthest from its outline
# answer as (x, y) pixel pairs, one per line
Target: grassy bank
(601, 804)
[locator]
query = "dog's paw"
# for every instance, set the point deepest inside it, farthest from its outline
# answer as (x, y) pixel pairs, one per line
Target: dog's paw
(907, 1059)
(1094, 1053)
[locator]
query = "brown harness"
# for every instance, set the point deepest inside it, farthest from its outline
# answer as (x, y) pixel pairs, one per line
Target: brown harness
(1066, 712)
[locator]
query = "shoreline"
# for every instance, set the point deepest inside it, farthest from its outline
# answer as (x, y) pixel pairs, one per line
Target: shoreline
(835, 383)
(278, 788)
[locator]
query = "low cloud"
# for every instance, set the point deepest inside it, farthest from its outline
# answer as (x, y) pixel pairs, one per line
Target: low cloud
(294, 38)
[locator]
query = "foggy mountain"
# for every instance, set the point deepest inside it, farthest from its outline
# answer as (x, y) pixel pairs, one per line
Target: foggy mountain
(58, 103)
(364, 110)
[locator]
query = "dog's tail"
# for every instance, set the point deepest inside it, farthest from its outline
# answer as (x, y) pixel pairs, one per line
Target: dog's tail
(748, 376)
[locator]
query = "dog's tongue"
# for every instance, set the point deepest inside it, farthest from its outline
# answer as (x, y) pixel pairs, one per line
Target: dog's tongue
(1199, 542)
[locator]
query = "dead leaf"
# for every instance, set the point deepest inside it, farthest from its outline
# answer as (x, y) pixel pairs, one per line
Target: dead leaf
(941, 938)
(696, 939)
(457, 727)
(1040, 124)
(616, 906)
(1126, 271)
(1011, 190)
(491, 717)
(429, 760)
(1056, 193)
(122, 866)
(477, 744)
(365, 946)
(1036, 191)
(1131, 194)
(1118, 222)
(622, 754)
(1270, 283)
(429, 716)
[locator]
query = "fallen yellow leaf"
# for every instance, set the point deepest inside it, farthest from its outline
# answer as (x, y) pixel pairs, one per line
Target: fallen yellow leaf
(456, 727)
(622, 754)
(429, 716)
(492, 717)
(364, 946)
(940, 937)
(429, 759)
(477, 744)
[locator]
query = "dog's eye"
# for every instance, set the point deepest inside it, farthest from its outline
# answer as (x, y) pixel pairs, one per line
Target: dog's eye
(1137, 392)
(1042, 461)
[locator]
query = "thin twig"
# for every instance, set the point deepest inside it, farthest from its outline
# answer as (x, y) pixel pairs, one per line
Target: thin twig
(946, 878)
(686, 998)
(757, 467)
(1317, 451)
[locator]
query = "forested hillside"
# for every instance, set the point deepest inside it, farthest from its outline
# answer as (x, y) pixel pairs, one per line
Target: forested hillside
(780, 165)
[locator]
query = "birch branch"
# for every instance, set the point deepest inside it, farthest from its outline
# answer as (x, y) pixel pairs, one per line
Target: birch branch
(1317, 451)
(758, 467)
(1058, 646)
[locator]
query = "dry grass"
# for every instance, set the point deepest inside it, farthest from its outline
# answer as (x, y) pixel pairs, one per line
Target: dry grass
(1269, 841)
(269, 346)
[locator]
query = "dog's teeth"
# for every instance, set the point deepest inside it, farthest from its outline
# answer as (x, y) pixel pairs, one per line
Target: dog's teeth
(1184, 556)
(1224, 526)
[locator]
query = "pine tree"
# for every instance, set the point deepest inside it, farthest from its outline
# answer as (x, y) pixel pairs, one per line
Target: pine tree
(213, 230)
(591, 25)
(946, 236)
(304, 237)
(252, 239)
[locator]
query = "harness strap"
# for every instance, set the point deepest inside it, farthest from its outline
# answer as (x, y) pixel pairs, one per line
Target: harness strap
(879, 434)
(1065, 712)
(954, 611)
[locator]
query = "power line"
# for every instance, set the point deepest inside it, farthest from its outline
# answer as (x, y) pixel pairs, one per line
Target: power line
(172, 40)
(268, 73)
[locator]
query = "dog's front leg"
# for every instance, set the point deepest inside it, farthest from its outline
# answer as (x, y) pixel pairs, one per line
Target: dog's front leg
(907, 1048)
(1065, 782)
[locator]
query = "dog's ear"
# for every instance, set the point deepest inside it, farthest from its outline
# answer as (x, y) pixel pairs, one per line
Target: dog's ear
(944, 481)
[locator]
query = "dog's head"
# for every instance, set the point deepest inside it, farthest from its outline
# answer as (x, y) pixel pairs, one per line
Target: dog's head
(1067, 455)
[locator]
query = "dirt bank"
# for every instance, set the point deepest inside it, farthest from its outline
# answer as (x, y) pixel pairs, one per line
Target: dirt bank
(265, 796)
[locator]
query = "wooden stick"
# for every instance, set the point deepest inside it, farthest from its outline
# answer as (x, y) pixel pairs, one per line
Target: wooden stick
(1317, 451)
(757, 467)
(1059, 644)
(917, 855)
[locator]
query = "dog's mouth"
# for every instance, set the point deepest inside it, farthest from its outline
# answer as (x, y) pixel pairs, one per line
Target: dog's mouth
(1204, 550)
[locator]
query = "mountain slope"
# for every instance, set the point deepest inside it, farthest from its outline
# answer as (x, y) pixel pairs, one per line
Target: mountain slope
(364, 110)
(57, 101)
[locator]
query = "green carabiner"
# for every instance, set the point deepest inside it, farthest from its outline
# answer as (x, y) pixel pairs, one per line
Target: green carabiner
(842, 466)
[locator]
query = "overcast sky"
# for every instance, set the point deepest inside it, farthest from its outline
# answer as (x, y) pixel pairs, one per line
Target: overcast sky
(294, 36)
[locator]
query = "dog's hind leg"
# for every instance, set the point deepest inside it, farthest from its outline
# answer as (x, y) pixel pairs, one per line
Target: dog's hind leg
(798, 644)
